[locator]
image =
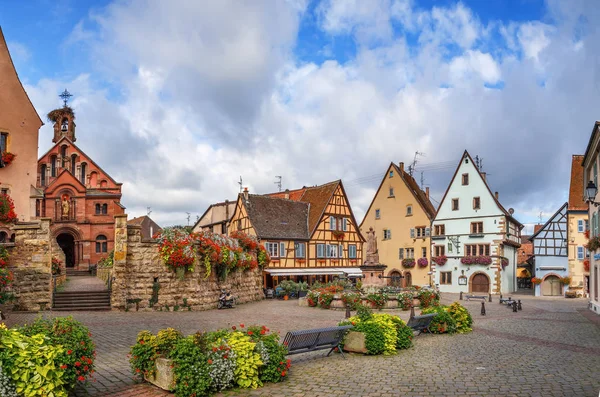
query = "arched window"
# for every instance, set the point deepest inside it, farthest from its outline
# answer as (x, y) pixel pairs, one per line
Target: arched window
(63, 156)
(73, 163)
(101, 244)
(98, 209)
(3, 237)
(43, 170)
(83, 170)
(53, 166)
(104, 209)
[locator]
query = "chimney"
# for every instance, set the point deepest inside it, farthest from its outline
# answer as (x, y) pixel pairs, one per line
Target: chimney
(227, 209)
(246, 193)
(427, 192)
(287, 194)
(483, 175)
(496, 194)
(401, 165)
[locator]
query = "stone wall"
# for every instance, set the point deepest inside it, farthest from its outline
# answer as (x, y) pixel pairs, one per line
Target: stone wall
(30, 260)
(137, 265)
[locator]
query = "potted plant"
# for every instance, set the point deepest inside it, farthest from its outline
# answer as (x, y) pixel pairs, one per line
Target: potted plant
(302, 289)
(536, 281)
(288, 287)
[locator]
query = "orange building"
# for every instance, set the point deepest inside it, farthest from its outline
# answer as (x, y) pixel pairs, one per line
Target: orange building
(79, 196)
(19, 127)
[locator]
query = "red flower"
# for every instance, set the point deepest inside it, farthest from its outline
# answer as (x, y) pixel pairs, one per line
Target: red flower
(64, 366)
(234, 328)
(77, 364)
(81, 378)
(225, 356)
(82, 343)
(86, 368)
(262, 332)
(141, 342)
(283, 373)
(242, 325)
(214, 349)
(69, 351)
(210, 361)
(250, 332)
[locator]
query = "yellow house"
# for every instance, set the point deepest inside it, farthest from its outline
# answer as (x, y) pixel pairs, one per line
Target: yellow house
(310, 233)
(401, 215)
(577, 218)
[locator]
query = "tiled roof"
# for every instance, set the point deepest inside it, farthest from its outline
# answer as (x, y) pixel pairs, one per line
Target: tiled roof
(576, 201)
(526, 250)
(277, 218)
(149, 227)
(420, 195)
(536, 228)
(295, 195)
(318, 197)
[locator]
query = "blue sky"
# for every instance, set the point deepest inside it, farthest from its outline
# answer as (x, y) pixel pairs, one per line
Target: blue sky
(314, 91)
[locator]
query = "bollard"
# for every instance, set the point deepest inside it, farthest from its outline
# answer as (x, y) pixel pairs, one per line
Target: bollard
(483, 308)
(490, 300)
(460, 298)
(514, 305)
(412, 311)
(519, 307)
(500, 300)
(348, 314)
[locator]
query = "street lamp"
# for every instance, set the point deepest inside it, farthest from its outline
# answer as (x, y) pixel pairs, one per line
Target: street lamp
(590, 193)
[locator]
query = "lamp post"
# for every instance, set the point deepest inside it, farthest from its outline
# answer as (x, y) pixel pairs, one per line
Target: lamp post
(590, 193)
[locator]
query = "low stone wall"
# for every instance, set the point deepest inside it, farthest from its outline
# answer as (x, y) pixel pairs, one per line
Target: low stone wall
(104, 273)
(137, 266)
(30, 260)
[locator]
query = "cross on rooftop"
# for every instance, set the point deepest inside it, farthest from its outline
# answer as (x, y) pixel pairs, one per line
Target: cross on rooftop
(65, 95)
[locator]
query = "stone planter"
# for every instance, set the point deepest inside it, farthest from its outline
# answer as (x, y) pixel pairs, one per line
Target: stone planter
(163, 377)
(355, 342)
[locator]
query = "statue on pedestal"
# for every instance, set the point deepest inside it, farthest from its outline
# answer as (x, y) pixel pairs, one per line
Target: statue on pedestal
(65, 207)
(372, 251)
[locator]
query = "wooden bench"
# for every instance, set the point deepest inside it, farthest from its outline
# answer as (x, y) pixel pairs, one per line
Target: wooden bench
(315, 339)
(421, 323)
(469, 297)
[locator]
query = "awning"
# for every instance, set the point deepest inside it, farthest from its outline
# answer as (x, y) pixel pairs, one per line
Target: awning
(348, 271)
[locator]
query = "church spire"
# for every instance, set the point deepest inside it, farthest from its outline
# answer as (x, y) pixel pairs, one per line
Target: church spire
(63, 119)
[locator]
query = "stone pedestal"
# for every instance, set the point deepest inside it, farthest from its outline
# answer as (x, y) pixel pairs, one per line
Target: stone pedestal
(355, 342)
(164, 374)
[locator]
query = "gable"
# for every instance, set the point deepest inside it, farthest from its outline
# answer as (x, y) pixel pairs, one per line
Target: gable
(65, 179)
(576, 200)
(318, 197)
(476, 187)
(551, 239)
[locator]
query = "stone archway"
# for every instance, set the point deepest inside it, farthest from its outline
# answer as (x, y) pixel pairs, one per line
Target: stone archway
(68, 240)
(479, 282)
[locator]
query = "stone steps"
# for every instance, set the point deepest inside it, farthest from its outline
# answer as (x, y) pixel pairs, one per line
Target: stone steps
(81, 301)
(74, 272)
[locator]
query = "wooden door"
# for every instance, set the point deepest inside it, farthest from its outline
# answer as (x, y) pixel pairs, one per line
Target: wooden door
(407, 279)
(551, 286)
(480, 283)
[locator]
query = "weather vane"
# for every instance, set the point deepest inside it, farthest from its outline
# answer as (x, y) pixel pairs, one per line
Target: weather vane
(65, 95)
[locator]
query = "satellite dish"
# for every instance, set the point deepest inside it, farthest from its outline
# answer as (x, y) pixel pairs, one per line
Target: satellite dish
(511, 211)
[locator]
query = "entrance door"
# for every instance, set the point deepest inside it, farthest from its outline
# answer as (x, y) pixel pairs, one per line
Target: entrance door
(551, 286)
(407, 279)
(480, 283)
(67, 244)
(396, 279)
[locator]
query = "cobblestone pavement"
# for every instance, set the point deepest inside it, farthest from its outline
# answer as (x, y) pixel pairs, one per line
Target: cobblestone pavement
(550, 348)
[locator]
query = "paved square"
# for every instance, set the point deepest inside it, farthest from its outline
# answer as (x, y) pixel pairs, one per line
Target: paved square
(550, 348)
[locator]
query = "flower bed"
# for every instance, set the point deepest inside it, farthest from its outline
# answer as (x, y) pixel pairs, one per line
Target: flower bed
(405, 300)
(6, 278)
(476, 260)
(48, 355)
(377, 300)
(384, 333)
(428, 298)
(205, 363)
(7, 209)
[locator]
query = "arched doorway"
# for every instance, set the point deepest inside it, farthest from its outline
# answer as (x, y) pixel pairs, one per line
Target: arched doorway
(66, 242)
(407, 279)
(396, 278)
(551, 286)
(480, 283)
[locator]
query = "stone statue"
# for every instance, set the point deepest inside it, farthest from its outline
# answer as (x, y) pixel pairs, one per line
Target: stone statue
(65, 207)
(372, 252)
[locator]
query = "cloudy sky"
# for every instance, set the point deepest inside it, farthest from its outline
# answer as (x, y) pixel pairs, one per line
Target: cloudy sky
(179, 99)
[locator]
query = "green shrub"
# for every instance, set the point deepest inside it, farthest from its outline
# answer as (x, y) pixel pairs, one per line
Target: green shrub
(191, 369)
(143, 354)
(351, 299)
(275, 365)
(78, 353)
(428, 298)
(247, 360)
(462, 317)
(7, 388)
(374, 336)
(32, 363)
(325, 299)
(404, 333)
(364, 313)
(384, 333)
(166, 340)
(443, 322)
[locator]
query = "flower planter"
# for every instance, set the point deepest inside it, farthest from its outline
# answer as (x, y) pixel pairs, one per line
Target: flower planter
(302, 294)
(355, 342)
(164, 377)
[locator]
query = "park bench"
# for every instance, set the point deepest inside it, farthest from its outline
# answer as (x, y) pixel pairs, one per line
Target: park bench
(469, 297)
(308, 340)
(421, 323)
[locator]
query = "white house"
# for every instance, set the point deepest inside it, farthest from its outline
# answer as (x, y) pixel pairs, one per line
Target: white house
(590, 174)
(551, 262)
(476, 234)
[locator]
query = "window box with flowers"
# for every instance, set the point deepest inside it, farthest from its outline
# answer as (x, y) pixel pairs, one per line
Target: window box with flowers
(337, 234)
(565, 280)
(8, 158)
(593, 244)
(440, 260)
(536, 280)
(503, 262)
(408, 263)
(422, 262)
(476, 260)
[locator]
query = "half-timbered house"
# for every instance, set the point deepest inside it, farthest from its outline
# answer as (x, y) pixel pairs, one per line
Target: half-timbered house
(550, 254)
(480, 236)
(310, 233)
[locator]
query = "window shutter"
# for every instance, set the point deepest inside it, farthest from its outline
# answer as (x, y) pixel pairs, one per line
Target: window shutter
(340, 251)
(331, 223)
(412, 233)
(401, 253)
(345, 223)
(282, 250)
(427, 232)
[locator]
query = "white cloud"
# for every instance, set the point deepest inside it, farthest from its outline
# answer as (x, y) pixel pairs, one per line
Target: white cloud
(534, 37)
(474, 63)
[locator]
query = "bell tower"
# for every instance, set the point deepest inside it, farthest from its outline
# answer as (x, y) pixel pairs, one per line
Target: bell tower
(63, 119)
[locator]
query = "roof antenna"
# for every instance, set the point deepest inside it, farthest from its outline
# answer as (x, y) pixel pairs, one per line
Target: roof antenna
(188, 218)
(422, 180)
(479, 163)
(541, 218)
(240, 183)
(411, 168)
(148, 211)
(278, 181)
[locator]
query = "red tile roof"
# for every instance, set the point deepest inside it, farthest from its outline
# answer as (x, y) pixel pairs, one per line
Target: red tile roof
(295, 195)
(318, 197)
(526, 250)
(576, 200)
